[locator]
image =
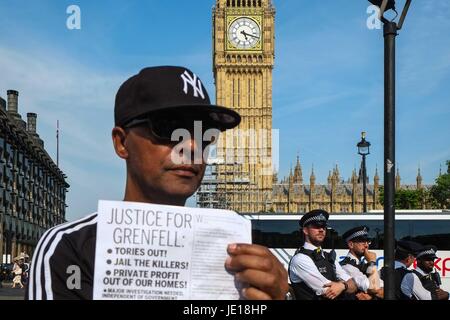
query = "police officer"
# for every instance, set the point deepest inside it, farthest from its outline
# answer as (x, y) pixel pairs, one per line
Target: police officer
(406, 287)
(430, 280)
(364, 273)
(314, 273)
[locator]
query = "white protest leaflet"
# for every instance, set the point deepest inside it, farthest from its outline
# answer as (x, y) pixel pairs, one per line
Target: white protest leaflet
(148, 252)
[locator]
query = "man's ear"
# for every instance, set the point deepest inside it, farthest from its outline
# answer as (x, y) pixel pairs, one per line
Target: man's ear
(305, 231)
(118, 136)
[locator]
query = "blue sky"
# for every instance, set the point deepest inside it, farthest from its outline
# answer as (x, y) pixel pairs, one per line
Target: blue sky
(328, 81)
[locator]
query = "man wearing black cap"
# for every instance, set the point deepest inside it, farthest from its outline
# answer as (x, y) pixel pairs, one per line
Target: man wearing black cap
(430, 280)
(363, 273)
(405, 286)
(164, 122)
(314, 273)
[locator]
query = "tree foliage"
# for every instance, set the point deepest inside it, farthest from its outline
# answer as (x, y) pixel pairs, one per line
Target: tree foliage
(438, 197)
(408, 199)
(441, 190)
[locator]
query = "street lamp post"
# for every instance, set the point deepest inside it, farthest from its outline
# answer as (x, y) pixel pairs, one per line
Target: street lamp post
(390, 31)
(364, 150)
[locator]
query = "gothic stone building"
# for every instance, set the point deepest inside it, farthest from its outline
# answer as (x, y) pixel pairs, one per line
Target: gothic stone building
(32, 188)
(292, 194)
(243, 62)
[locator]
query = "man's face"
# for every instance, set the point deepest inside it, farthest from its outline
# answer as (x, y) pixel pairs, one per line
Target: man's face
(315, 233)
(150, 165)
(410, 260)
(358, 248)
(426, 265)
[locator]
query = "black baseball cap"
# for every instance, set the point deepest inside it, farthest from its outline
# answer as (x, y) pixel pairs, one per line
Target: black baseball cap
(172, 89)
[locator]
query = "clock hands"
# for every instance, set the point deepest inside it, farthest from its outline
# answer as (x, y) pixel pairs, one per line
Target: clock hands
(256, 37)
(248, 34)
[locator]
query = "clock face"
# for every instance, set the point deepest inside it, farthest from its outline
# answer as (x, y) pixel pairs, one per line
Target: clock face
(244, 33)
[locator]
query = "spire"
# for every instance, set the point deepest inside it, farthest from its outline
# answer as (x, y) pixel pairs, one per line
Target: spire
(397, 180)
(440, 169)
(419, 179)
(376, 178)
(336, 173)
(291, 183)
(329, 177)
(312, 178)
(334, 180)
(354, 178)
(335, 176)
(298, 177)
(290, 177)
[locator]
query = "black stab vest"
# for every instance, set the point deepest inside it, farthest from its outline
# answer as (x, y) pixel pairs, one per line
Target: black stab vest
(399, 274)
(326, 267)
(361, 267)
(428, 283)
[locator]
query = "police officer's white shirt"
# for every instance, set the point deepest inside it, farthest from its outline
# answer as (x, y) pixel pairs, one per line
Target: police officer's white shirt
(361, 280)
(411, 285)
(303, 269)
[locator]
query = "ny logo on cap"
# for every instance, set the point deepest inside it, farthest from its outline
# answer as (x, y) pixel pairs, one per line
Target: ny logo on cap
(194, 82)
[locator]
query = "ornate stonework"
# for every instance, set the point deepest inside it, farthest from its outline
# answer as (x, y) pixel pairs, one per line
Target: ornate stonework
(243, 62)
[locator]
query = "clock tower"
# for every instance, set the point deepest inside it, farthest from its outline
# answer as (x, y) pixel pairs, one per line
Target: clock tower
(243, 59)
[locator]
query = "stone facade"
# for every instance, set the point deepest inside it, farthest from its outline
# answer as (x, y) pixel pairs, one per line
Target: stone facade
(243, 78)
(292, 194)
(32, 187)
